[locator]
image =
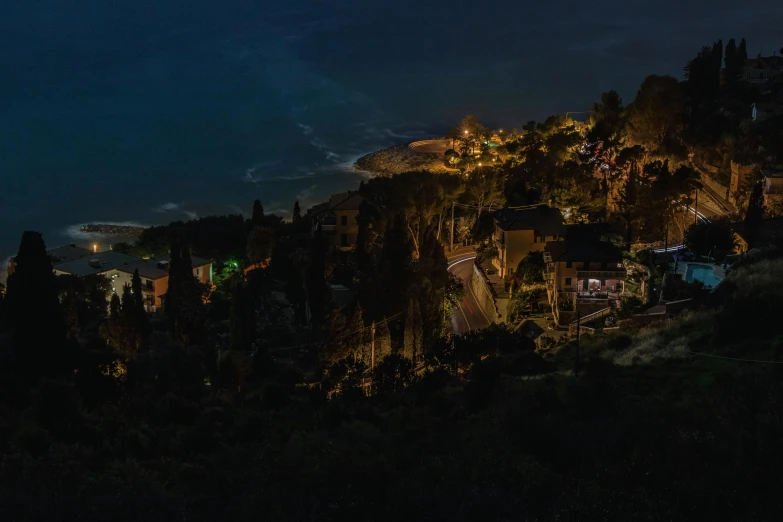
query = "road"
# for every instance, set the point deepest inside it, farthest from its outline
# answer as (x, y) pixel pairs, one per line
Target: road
(467, 315)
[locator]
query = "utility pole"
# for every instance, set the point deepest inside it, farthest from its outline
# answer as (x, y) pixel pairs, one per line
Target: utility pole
(452, 227)
(666, 236)
(372, 346)
(578, 331)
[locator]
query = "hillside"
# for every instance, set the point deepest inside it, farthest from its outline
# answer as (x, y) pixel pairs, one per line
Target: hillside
(398, 159)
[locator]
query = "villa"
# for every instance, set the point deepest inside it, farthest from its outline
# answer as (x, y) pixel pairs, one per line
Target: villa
(519, 231)
(337, 218)
(762, 68)
(582, 275)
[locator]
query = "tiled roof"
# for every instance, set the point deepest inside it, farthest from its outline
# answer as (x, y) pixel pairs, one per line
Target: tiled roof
(546, 220)
(67, 253)
(345, 201)
(96, 263)
(147, 270)
(592, 251)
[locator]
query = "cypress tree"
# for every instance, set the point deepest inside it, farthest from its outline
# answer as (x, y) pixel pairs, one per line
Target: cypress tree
(128, 303)
(138, 296)
(242, 324)
(316, 277)
(297, 213)
(183, 305)
(258, 213)
(730, 61)
(413, 332)
(115, 307)
(742, 53)
(33, 311)
(755, 212)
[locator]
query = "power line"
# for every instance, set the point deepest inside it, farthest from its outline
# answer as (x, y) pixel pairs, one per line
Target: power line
(734, 358)
(305, 345)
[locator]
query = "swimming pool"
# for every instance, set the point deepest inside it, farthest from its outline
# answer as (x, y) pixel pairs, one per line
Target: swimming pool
(703, 273)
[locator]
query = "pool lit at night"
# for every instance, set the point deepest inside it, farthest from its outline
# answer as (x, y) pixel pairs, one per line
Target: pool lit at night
(703, 273)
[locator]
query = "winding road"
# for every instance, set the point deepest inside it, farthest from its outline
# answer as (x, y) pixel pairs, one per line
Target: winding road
(468, 315)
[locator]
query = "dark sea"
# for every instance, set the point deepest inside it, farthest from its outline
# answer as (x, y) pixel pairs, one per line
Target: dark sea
(147, 111)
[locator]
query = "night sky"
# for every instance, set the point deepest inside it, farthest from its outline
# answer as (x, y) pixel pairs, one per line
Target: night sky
(154, 110)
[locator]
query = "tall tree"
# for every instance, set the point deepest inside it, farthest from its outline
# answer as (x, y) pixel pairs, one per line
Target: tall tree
(733, 67)
(656, 113)
(33, 311)
(138, 296)
(242, 322)
(454, 135)
(742, 52)
(754, 215)
(128, 304)
(608, 127)
(115, 307)
(184, 297)
(395, 274)
(413, 332)
(315, 281)
(258, 213)
(297, 215)
(485, 189)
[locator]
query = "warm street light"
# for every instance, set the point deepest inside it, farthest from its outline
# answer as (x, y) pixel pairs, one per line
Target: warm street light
(95, 247)
(466, 133)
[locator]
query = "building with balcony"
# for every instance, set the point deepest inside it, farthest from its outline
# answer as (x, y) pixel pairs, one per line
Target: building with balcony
(762, 69)
(337, 219)
(519, 231)
(583, 275)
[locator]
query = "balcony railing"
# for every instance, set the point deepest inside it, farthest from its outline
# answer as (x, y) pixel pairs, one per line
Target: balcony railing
(601, 274)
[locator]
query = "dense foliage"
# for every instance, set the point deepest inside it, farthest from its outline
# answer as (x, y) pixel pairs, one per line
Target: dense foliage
(312, 382)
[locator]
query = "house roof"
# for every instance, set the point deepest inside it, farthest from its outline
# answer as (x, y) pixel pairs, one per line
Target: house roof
(769, 173)
(96, 263)
(67, 253)
(546, 220)
(576, 250)
(345, 201)
(764, 62)
(147, 270)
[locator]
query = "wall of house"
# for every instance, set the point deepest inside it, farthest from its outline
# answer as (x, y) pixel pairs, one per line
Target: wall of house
(351, 229)
(159, 287)
(203, 273)
(513, 246)
(740, 177)
(564, 274)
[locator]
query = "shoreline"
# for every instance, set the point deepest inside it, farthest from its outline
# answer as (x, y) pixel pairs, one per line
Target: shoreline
(112, 229)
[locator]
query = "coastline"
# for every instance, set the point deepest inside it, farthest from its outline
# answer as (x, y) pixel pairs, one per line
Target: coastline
(112, 229)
